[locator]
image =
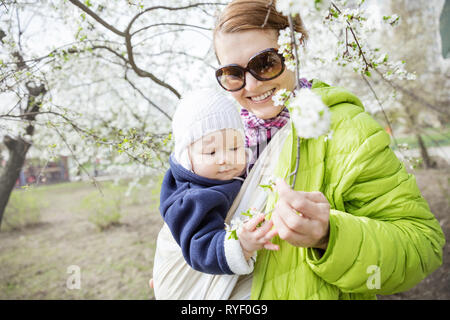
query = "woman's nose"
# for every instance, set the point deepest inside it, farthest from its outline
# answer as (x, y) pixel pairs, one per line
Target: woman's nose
(251, 83)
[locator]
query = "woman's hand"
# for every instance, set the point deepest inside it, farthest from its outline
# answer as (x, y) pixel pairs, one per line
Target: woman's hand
(253, 238)
(310, 228)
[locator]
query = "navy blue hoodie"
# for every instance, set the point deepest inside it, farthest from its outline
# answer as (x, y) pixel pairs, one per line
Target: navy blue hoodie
(194, 208)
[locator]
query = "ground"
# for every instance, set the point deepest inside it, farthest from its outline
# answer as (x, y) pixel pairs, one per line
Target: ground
(116, 263)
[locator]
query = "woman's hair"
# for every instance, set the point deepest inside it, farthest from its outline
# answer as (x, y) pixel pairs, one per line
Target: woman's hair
(241, 15)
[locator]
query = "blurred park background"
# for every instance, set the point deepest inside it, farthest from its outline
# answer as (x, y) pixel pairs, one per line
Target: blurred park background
(87, 90)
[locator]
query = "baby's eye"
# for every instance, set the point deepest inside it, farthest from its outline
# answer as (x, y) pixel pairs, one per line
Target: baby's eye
(210, 153)
(234, 149)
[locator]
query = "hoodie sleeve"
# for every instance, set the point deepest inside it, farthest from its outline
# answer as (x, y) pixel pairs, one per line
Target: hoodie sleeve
(195, 218)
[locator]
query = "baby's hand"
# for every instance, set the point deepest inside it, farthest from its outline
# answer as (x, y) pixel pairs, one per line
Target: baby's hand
(253, 238)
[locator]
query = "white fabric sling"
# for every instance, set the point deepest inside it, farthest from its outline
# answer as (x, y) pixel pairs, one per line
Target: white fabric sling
(175, 279)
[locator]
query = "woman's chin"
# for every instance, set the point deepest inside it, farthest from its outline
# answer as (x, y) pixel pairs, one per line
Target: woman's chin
(264, 111)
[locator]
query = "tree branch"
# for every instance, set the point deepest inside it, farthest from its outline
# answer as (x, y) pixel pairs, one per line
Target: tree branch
(170, 9)
(140, 72)
(97, 17)
(147, 99)
(169, 24)
(412, 95)
(143, 73)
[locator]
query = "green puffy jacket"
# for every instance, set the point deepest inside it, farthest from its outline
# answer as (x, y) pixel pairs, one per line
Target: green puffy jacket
(383, 238)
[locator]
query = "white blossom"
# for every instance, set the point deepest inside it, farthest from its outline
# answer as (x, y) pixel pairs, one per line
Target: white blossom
(291, 65)
(89, 89)
(310, 116)
(288, 7)
(286, 48)
(280, 97)
(234, 228)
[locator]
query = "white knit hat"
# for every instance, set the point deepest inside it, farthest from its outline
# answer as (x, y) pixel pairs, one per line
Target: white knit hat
(198, 114)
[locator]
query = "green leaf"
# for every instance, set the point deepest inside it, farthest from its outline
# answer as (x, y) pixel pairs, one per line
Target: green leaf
(267, 186)
(247, 214)
(233, 235)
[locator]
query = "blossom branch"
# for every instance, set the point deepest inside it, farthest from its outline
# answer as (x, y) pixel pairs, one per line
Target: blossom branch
(361, 52)
(127, 37)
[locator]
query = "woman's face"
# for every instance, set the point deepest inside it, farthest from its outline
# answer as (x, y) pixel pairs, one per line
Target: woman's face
(238, 48)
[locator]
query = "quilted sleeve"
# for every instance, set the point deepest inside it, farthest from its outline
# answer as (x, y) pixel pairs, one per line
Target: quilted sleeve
(383, 237)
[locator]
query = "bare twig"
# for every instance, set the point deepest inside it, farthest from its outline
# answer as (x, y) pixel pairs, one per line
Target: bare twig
(146, 98)
(74, 156)
(269, 5)
(97, 17)
(295, 49)
(413, 95)
(169, 24)
(382, 108)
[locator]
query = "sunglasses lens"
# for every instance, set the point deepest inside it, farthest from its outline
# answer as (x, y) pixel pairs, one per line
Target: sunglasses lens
(230, 78)
(266, 65)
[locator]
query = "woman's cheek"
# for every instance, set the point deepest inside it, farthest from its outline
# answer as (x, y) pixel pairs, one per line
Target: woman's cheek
(237, 95)
(288, 80)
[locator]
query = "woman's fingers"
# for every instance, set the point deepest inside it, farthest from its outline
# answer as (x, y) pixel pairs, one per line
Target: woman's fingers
(313, 205)
(292, 227)
(281, 227)
(301, 218)
(317, 196)
(270, 234)
(291, 219)
(151, 284)
(271, 246)
(285, 191)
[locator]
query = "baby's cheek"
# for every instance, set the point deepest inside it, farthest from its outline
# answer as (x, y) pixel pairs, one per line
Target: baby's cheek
(241, 159)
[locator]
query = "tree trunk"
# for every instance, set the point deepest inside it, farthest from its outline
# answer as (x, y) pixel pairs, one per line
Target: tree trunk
(17, 153)
(18, 147)
(427, 162)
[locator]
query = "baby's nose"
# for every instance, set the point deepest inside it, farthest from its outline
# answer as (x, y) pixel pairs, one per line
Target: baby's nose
(221, 158)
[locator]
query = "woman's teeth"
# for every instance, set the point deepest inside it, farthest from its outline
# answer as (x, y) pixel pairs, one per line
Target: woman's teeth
(263, 96)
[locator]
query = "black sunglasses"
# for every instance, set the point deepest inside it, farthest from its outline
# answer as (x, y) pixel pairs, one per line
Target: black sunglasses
(265, 65)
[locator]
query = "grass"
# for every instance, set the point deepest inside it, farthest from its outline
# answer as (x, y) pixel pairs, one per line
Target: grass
(115, 263)
(23, 210)
(431, 138)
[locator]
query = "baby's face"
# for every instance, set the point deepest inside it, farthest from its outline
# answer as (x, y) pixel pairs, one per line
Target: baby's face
(219, 155)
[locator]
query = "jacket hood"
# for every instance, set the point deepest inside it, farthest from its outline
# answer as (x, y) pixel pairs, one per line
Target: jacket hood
(332, 96)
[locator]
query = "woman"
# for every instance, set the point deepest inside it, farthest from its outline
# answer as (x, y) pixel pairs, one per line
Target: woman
(364, 228)
(369, 215)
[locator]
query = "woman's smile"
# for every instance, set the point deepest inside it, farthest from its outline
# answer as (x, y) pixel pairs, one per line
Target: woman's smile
(262, 98)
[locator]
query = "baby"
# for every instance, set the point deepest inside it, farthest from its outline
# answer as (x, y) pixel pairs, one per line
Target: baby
(206, 172)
